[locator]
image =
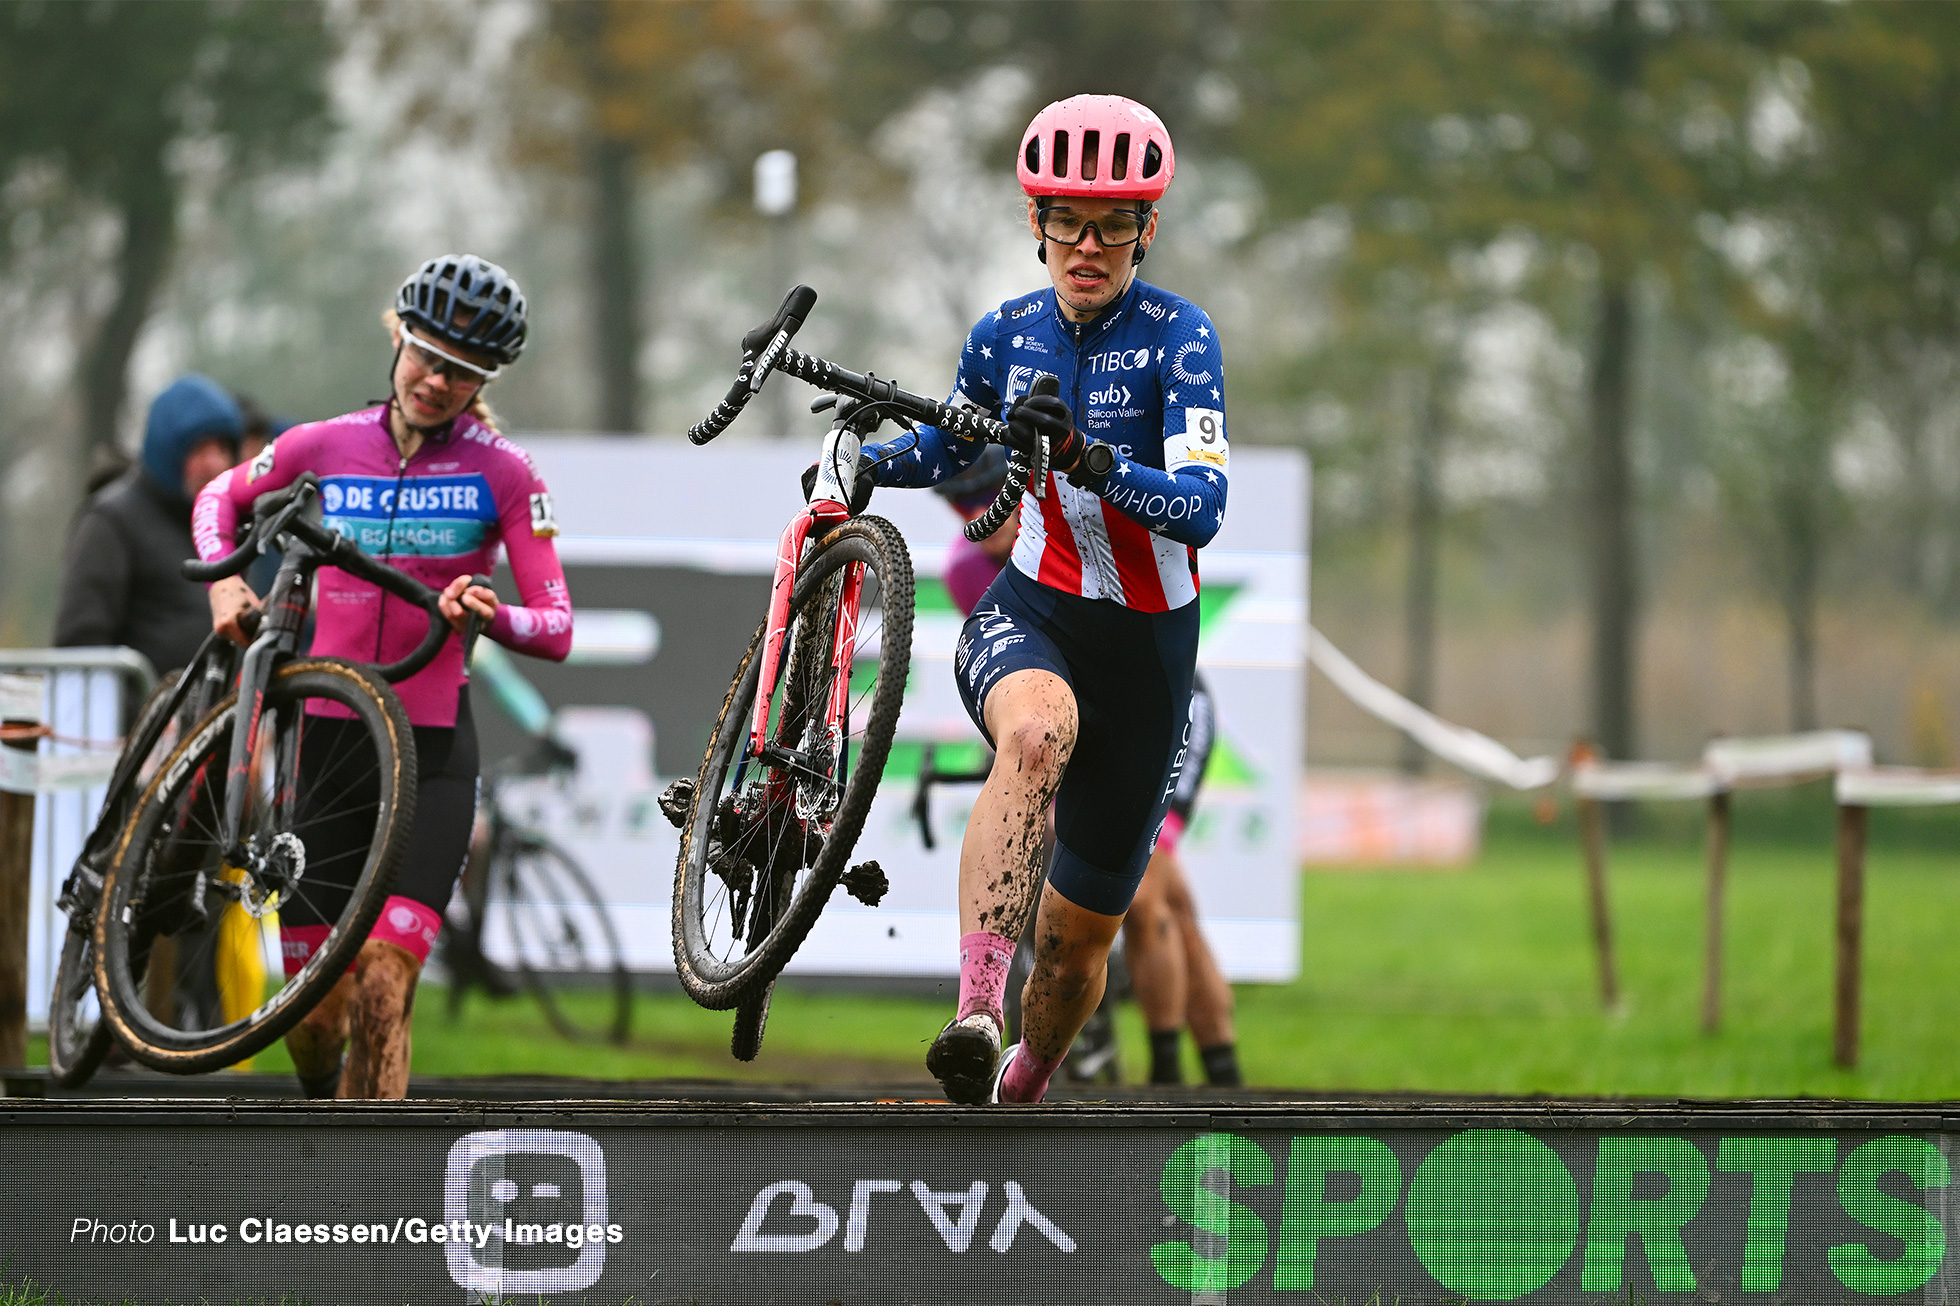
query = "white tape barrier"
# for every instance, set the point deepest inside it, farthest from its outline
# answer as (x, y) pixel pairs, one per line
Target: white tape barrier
(1612, 782)
(1897, 786)
(1478, 754)
(1789, 757)
(38, 772)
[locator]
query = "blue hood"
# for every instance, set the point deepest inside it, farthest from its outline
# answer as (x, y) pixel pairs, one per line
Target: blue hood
(192, 408)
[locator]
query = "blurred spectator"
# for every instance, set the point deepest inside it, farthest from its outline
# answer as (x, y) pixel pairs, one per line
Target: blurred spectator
(120, 581)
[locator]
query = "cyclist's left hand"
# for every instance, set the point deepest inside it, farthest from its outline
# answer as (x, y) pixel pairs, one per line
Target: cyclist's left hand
(460, 599)
(1034, 416)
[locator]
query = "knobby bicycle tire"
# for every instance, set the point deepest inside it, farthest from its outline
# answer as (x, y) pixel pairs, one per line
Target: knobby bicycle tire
(567, 893)
(719, 983)
(120, 942)
(751, 1016)
(78, 1047)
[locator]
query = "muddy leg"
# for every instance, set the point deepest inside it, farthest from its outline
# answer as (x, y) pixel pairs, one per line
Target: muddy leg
(1032, 717)
(316, 1043)
(383, 999)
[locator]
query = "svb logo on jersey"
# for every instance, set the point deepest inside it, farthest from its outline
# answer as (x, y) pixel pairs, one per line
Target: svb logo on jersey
(542, 522)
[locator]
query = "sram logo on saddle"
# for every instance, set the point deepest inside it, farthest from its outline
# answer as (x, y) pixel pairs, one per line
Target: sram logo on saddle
(804, 1224)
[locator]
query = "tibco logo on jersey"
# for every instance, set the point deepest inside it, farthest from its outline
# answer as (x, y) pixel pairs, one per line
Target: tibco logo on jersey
(541, 1194)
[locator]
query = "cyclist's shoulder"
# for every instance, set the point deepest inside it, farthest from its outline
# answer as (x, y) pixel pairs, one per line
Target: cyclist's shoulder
(1018, 313)
(1171, 315)
(493, 451)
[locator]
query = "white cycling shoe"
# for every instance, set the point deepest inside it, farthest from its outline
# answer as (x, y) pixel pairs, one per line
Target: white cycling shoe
(1000, 1073)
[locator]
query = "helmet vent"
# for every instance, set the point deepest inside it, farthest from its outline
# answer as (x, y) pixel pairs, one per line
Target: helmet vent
(1091, 147)
(1153, 160)
(1033, 153)
(1058, 161)
(1119, 164)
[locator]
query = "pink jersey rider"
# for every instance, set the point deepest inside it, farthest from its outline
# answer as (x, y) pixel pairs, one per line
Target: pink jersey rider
(437, 515)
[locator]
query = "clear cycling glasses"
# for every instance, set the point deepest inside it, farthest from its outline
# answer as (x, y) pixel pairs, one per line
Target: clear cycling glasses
(1113, 230)
(435, 362)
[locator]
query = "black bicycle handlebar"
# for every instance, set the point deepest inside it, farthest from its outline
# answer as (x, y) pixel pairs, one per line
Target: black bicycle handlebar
(761, 348)
(284, 513)
(766, 349)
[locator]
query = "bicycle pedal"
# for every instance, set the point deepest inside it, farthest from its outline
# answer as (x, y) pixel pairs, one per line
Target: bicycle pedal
(676, 801)
(867, 883)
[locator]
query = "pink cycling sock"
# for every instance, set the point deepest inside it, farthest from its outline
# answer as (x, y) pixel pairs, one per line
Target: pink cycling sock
(297, 943)
(984, 959)
(1027, 1076)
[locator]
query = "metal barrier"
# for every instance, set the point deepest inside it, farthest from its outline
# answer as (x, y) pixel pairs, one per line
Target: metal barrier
(87, 695)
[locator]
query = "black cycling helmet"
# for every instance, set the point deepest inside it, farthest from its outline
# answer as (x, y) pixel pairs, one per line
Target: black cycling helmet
(980, 482)
(466, 301)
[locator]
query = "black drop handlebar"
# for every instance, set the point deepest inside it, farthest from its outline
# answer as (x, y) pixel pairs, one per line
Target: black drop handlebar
(766, 349)
(284, 512)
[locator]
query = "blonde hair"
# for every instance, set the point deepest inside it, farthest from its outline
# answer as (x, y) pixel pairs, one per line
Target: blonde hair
(479, 407)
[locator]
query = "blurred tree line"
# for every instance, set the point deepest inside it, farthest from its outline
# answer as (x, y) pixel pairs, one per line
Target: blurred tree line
(1590, 256)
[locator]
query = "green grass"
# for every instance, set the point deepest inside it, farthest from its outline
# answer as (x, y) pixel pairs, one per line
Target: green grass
(1478, 980)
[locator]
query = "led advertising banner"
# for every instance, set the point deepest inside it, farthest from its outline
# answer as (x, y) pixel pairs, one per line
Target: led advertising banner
(680, 1205)
(668, 550)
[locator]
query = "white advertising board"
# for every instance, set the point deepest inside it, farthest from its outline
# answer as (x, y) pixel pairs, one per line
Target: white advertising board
(648, 526)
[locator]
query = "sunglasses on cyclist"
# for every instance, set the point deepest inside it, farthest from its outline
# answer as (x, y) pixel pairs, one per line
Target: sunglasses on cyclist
(435, 362)
(1113, 230)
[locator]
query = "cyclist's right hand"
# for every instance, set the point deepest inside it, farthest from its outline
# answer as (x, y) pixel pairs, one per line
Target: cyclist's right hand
(231, 599)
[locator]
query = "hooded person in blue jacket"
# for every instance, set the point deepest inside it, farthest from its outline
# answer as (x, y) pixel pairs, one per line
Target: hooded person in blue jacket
(120, 582)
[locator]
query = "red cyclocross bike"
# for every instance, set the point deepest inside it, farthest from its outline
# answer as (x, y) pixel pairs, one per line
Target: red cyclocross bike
(768, 825)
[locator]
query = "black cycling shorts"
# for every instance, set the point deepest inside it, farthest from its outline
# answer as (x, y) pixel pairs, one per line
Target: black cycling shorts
(1131, 674)
(1197, 753)
(445, 812)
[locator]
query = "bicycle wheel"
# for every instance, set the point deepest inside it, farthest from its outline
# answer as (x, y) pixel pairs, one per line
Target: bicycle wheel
(772, 833)
(78, 1038)
(564, 939)
(323, 828)
(751, 1015)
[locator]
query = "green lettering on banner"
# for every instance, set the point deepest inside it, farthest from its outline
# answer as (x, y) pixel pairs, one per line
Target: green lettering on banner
(1238, 1227)
(1493, 1214)
(1856, 1267)
(1775, 1163)
(1307, 1216)
(1617, 1215)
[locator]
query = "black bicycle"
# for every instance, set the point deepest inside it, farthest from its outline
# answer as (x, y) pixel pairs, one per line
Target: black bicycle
(555, 921)
(78, 1039)
(226, 817)
(800, 746)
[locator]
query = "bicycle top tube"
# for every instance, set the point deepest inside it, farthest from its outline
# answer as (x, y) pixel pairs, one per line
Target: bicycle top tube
(284, 513)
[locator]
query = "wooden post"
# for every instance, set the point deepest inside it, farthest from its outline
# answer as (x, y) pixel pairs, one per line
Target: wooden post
(1850, 928)
(16, 861)
(1718, 859)
(1592, 830)
(1592, 838)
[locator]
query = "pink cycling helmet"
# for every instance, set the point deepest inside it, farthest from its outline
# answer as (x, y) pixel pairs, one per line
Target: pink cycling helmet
(1099, 146)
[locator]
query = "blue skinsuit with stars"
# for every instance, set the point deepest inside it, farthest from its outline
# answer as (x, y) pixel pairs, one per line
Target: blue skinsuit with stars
(1102, 586)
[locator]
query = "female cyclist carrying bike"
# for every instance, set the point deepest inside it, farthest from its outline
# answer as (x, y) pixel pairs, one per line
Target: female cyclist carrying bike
(1077, 663)
(425, 482)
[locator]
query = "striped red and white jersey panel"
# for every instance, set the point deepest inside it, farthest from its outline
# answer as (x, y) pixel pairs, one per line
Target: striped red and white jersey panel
(1073, 540)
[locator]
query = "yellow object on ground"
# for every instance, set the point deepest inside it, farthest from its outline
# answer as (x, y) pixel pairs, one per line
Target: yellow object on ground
(240, 962)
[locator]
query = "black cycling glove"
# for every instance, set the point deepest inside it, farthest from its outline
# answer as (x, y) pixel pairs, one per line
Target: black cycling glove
(861, 485)
(1034, 416)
